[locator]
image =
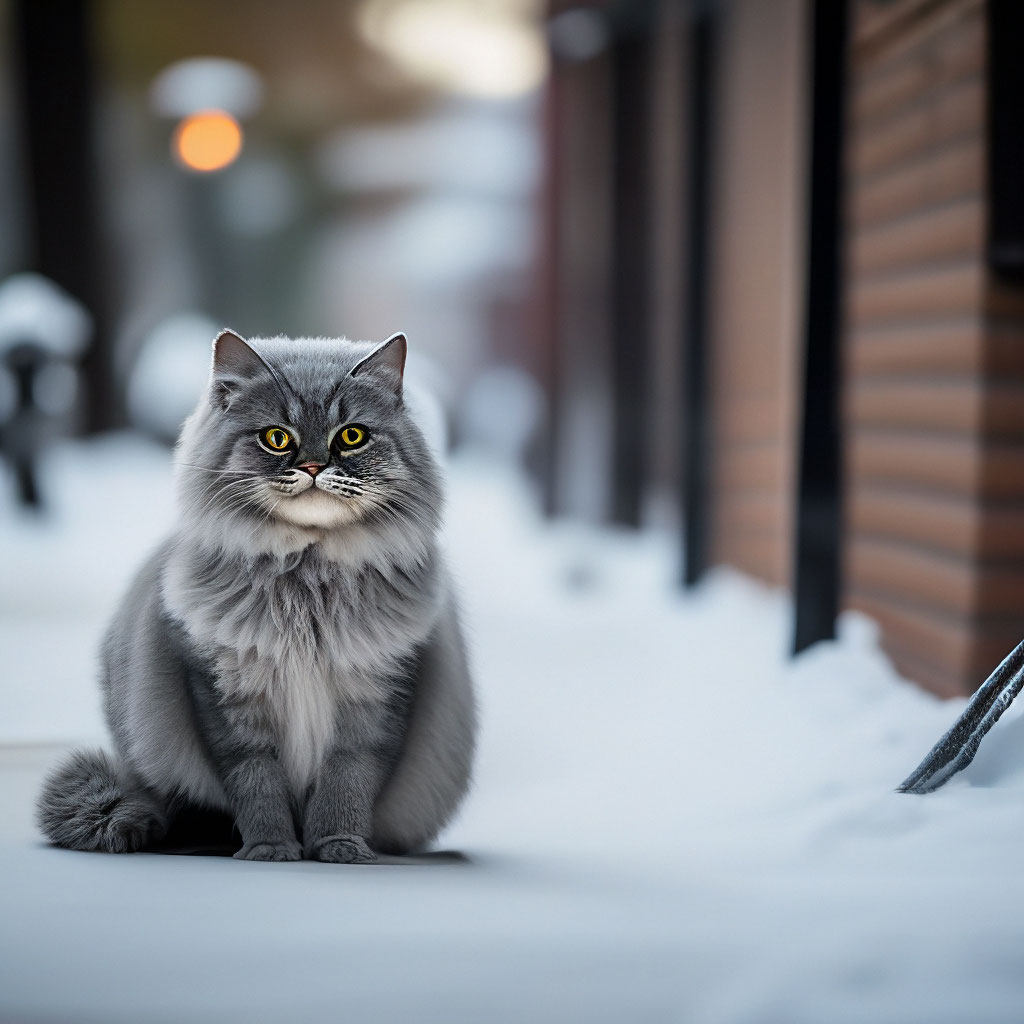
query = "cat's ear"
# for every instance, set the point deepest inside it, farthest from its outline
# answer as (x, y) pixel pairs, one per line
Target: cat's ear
(233, 356)
(234, 360)
(386, 362)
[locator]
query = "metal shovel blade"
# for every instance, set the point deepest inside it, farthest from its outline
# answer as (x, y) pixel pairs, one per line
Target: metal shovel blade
(956, 750)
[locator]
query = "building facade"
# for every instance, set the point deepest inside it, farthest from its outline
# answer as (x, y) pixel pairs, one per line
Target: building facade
(864, 452)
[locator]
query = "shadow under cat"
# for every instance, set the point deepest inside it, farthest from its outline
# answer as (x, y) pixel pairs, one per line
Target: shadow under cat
(204, 833)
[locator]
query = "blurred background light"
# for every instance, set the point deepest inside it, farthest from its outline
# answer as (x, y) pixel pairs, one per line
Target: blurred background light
(490, 50)
(34, 309)
(579, 33)
(262, 199)
(203, 83)
(460, 147)
(502, 412)
(207, 141)
(171, 369)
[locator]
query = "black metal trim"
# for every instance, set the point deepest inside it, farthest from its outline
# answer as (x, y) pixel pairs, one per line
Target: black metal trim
(819, 515)
(55, 68)
(1005, 137)
(550, 290)
(632, 62)
(699, 85)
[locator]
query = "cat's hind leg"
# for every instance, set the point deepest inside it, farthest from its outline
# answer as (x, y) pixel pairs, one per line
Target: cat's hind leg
(91, 802)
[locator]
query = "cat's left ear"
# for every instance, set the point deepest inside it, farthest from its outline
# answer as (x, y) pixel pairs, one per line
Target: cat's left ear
(386, 362)
(233, 356)
(234, 360)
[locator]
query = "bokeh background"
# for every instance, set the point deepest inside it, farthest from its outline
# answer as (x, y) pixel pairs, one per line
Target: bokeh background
(716, 317)
(373, 165)
(748, 271)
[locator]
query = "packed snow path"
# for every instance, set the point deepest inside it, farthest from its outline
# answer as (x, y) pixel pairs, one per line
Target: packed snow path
(671, 822)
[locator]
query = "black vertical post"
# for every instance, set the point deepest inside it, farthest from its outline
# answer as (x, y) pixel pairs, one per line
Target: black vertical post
(1005, 138)
(56, 91)
(550, 306)
(818, 514)
(699, 86)
(632, 55)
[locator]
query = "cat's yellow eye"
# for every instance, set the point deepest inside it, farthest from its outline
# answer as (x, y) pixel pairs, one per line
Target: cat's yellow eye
(352, 436)
(276, 439)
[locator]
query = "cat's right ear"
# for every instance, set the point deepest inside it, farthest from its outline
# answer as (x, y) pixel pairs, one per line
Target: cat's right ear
(234, 360)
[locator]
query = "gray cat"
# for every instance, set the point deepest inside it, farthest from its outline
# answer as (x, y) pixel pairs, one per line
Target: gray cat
(292, 654)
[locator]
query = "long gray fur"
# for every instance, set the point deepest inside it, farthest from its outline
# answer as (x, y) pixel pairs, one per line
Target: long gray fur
(292, 654)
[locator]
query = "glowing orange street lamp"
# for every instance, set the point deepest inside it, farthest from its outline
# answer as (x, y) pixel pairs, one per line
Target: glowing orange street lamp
(206, 141)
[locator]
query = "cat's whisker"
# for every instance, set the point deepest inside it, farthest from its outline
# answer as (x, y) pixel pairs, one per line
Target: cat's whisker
(229, 499)
(220, 472)
(397, 508)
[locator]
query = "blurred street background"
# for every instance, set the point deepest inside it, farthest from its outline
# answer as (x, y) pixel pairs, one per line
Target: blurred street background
(716, 319)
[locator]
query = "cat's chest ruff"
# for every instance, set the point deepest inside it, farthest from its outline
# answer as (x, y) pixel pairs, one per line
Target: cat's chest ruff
(309, 620)
(315, 658)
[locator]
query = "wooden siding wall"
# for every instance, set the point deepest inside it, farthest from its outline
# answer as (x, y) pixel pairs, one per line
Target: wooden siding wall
(934, 394)
(757, 188)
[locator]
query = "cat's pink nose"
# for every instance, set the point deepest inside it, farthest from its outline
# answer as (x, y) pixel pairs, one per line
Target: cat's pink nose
(312, 468)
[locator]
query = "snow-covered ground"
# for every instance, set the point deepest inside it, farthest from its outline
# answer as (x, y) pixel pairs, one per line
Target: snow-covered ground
(671, 821)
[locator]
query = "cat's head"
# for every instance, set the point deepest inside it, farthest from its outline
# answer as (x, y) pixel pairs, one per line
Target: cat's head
(297, 439)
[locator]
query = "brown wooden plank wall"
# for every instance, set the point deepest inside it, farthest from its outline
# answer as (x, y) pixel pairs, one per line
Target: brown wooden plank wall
(934, 391)
(756, 224)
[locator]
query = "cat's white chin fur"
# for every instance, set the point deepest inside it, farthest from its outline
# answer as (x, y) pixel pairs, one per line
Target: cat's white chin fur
(315, 508)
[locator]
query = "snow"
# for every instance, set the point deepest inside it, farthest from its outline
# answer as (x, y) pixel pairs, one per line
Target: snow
(172, 367)
(35, 310)
(671, 822)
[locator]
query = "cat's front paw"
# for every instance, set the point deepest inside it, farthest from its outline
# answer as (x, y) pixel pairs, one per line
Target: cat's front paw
(287, 850)
(343, 848)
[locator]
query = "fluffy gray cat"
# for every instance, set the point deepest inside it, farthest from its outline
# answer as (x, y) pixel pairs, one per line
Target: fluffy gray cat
(292, 654)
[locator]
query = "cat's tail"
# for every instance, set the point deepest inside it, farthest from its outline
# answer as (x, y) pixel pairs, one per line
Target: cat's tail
(89, 802)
